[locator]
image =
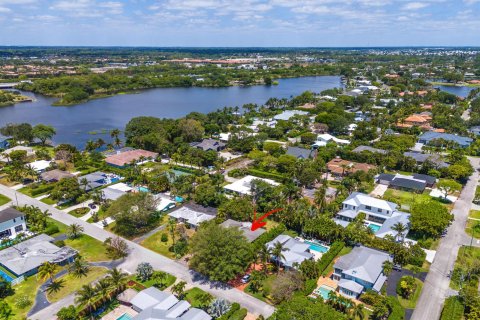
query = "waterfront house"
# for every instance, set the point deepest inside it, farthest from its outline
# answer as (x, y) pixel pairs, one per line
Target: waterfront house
(12, 222)
(245, 227)
(295, 251)
(360, 270)
(209, 144)
(123, 159)
(4, 157)
(40, 165)
(24, 258)
(4, 144)
(380, 215)
(153, 304)
(430, 137)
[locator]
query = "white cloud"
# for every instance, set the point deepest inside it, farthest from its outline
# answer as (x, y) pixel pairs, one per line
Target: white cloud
(470, 2)
(415, 5)
(4, 10)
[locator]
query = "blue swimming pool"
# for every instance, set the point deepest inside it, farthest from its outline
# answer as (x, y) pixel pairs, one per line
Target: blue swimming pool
(323, 291)
(5, 276)
(113, 180)
(374, 227)
(125, 316)
(178, 199)
(143, 189)
(317, 247)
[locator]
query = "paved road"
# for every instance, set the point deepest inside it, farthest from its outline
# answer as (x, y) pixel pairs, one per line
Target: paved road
(436, 288)
(140, 254)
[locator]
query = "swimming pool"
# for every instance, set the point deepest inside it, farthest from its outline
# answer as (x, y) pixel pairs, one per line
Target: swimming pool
(125, 316)
(374, 227)
(5, 276)
(317, 247)
(323, 291)
(143, 189)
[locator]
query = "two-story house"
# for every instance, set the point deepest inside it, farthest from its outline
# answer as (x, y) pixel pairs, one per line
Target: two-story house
(12, 222)
(380, 215)
(360, 270)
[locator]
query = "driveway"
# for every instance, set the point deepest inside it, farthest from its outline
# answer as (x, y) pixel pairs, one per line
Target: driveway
(140, 254)
(379, 190)
(436, 286)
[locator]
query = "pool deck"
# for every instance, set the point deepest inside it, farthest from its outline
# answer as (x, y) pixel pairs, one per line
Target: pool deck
(118, 312)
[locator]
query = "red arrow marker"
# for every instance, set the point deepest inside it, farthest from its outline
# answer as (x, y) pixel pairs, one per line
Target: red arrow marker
(258, 223)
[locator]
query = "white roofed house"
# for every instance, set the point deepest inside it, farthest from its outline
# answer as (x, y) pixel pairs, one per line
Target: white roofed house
(193, 215)
(380, 215)
(244, 186)
(323, 139)
(360, 270)
(295, 252)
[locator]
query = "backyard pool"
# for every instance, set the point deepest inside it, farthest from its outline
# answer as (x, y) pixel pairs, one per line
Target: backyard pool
(374, 227)
(143, 189)
(317, 246)
(5, 276)
(323, 291)
(125, 316)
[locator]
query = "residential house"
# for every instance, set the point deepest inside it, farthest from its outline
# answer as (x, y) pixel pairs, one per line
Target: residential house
(422, 120)
(380, 215)
(40, 165)
(300, 153)
(244, 186)
(12, 222)
(123, 159)
(431, 136)
(153, 304)
(287, 114)
(4, 156)
(55, 175)
(193, 215)
(339, 167)
(360, 270)
(4, 144)
(23, 259)
(209, 144)
(295, 251)
(398, 181)
(361, 149)
(421, 158)
(323, 139)
(97, 179)
(245, 227)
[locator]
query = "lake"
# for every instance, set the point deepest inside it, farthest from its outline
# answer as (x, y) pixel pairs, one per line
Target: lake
(461, 91)
(74, 124)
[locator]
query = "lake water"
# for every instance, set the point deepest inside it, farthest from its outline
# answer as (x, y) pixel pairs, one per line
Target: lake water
(75, 123)
(461, 91)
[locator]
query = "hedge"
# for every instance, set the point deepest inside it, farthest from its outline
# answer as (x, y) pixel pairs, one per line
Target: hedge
(396, 310)
(453, 309)
(328, 257)
(267, 175)
(268, 236)
(41, 189)
(239, 314)
(234, 308)
(188, 170)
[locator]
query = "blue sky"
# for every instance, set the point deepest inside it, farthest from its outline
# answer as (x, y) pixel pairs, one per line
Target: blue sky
(319, 23)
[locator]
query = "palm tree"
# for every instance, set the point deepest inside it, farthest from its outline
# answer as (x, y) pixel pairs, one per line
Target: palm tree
(87, 295)
(357, 312)
(47, 270)
(100, 142)
(387, 267)
(172, 224)
(84, 183)
(90, 146)
(179, 289)
(264, 254)
(117, 279)
(55, 286)
(400, 228)
(159, 277)
(277, 251)
(103, 288)
(79, 267)
(74, 230)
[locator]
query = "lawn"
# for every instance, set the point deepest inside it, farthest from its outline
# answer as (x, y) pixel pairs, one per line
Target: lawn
(169, 280)
(49, 201)
(73, 283)
(410, 303)
(265, 290)
(91, 249)
(407, 199)
(4, 199)
(475, 214)
(79, 212)
(28, 289)
(467, 256)
(473, 228)
(154, 243)
(193, 295)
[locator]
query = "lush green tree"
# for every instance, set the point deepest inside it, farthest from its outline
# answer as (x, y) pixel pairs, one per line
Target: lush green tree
(300, 307)
(79, 267)
(308, 138)
(43, 132)
(37, 219)
(219, 253)
(179, 289)
(66, 189)
(207, 194)
(47, 270)
(285, 285)
(237, 208)
(18, 132)
(158, 183)
(190, 130)
(144, 271)
(74, 230)
(116, 247)
(67, 313)
(5, 310)
(448, 186)
(429, 218)
(5, 288)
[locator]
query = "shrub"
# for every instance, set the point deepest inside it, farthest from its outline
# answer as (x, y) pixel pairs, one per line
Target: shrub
(328, 257)
(267, 175)
(406, 286)
(164, 237)
(41, 189)
(268, 236)
(144, 271)
(370, 297)
(59, 243)
(417, 255)
(234, 308)
(396, 310)
(51, 229)
(239, 314)
(310, 285)
(67, 313)
(22, 302)
(453, 309)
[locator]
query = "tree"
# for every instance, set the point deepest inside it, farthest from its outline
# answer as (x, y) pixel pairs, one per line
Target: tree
(429, 218)
(218, 307)
(5, 288)
(219, 253)
(66, 189)
(79, 267)
(448, 186)
(387, 267)
(264, 255)
(116, 247)
(190, 130)
(256, 281)
(5, 310)
(406, 286)
(357, 311)
(43, 132)
(47, 270)
(117, 279)
(179, 289)
(144, 271)
(277, 252)
(87, 296)
(207, 195)
(400, 228)
(18, 132)
(67, 313)
(55, 285)
(74, 230)
(285, 285)
(237, 208)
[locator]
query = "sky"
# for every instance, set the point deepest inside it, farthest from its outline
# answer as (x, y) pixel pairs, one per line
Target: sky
(240, 23)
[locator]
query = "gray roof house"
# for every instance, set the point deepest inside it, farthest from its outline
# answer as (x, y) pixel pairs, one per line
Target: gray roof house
(95, 180)
(360, 270)
(299, 153)
(361, 149)
(25, 258)
(12, 223)
(193, 214)
(380, 215)
(245, 227)
(153, 304)
(429, 136)
(287, 114)
(415, 183)
(296, 251)
(209, 144)
(4, 144)
(420, 158)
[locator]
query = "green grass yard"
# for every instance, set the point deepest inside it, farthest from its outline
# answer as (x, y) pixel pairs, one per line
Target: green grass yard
(28, 289)
(193, 295)
(467, 256)
(410, 303)
(154, 243)
(4, 199)
(79, 212)
(475, 214)
(49, 201)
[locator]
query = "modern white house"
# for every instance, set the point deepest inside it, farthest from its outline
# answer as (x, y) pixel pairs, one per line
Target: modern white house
(244, 186)
(360, 270)
(380, 215)
(40, 165)
(323, 139)
(12, 222)
(295, 251)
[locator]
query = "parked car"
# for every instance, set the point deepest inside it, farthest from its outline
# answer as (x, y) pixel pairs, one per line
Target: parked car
(246, 278)
(397, 267)
(92, 205)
